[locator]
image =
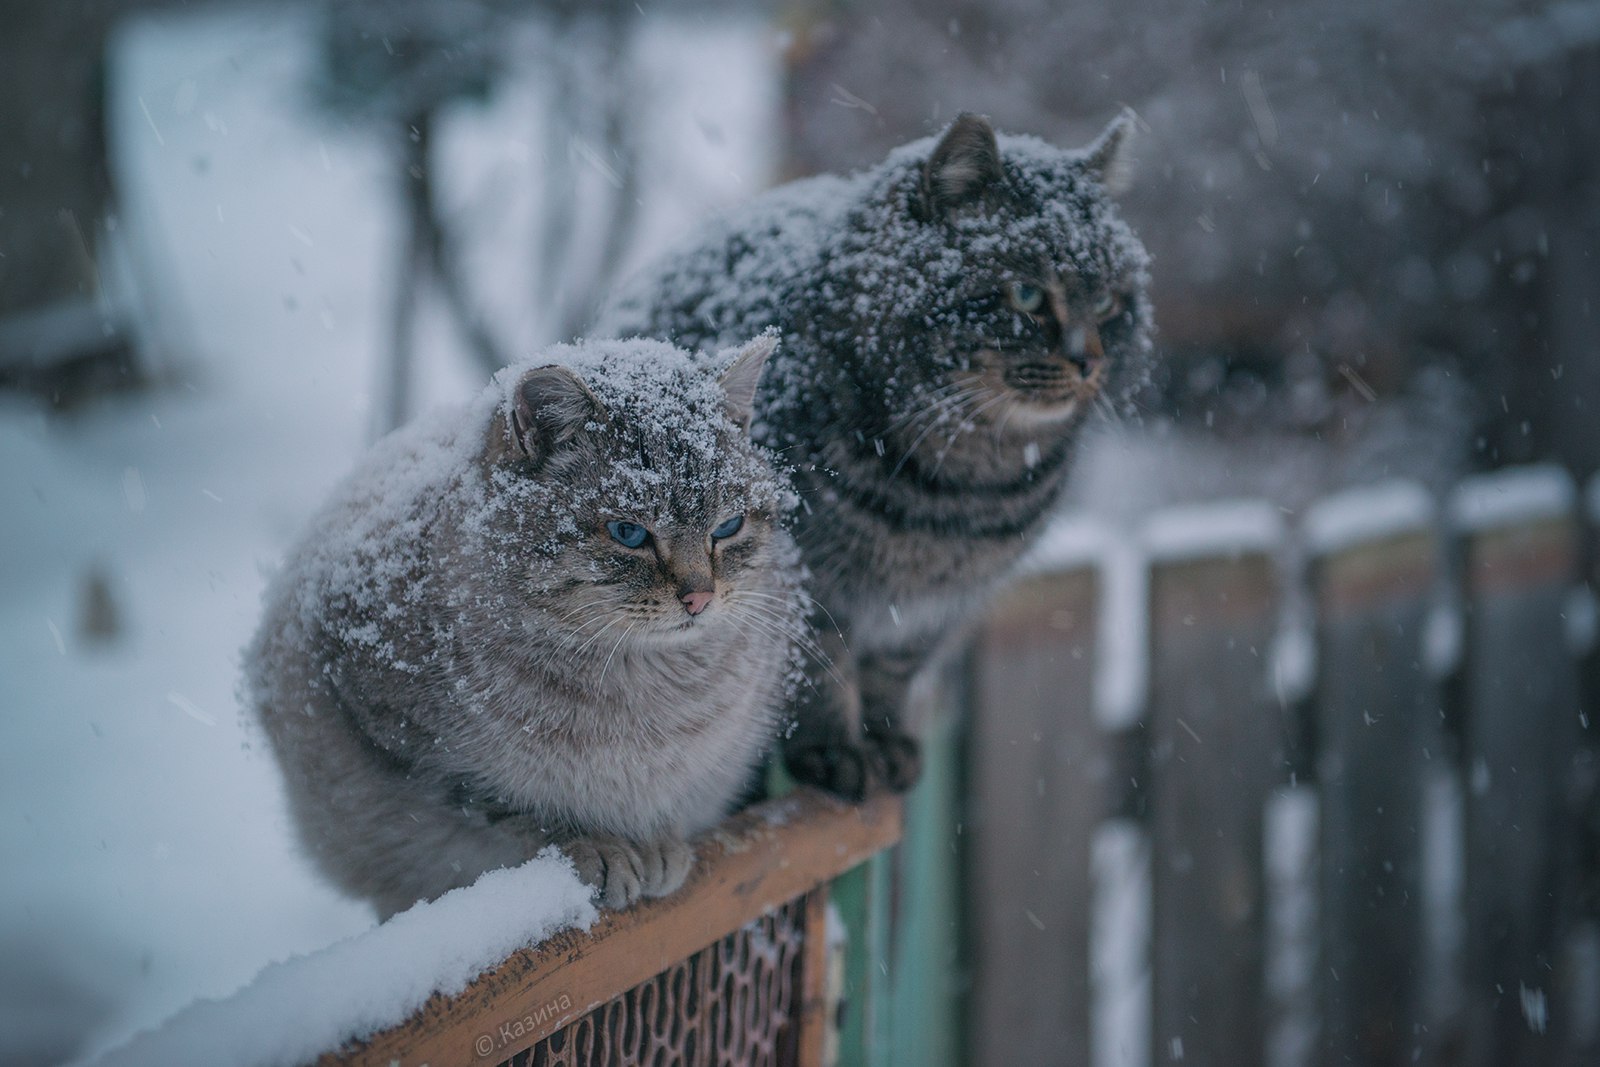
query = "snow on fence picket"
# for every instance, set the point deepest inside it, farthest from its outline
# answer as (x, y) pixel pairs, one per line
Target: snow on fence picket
(1348, 833)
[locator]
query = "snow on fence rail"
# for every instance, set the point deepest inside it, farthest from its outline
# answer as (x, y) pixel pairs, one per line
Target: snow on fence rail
(1393, 860)
(520, 968)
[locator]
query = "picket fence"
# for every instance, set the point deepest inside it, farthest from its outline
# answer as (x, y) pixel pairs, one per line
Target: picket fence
(1235, 787)
(1252, 788)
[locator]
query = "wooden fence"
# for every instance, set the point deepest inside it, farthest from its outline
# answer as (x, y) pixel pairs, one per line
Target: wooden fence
(733, 969)
(1253, 788)
(1235, 788)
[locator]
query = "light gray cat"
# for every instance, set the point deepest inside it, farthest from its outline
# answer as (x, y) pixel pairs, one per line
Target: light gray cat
(563, 615)
(949, 318)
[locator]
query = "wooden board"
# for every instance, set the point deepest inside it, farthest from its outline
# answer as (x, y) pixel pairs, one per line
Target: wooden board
(1378, 738)
(1522, 734)
(755, 861)
(1216, 748)
(1039, 770)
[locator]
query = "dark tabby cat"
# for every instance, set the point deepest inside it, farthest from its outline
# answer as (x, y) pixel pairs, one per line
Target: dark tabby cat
(563, 616)
(948, 319)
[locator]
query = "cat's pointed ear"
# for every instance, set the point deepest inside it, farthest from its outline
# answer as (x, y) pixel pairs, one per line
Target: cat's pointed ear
(1109, 157)
(740, 380)
(962, 165)
(549, 407)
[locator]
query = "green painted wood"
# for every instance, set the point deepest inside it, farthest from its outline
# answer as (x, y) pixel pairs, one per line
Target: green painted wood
(861, 900)
(925, 996)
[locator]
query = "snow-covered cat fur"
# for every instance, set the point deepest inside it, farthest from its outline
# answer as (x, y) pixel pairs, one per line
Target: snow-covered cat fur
(948, 318)
(464, 662)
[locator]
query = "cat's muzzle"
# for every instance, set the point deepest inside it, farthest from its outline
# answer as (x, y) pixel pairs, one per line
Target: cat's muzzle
(1055, 381)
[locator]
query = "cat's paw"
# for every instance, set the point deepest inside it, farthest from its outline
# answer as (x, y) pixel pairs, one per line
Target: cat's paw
(664, 864)
(835, 766)
(623, 871)
(895, 759)
(891, 761)
(613, 866)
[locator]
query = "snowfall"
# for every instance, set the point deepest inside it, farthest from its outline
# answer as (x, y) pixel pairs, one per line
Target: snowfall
(148, 857)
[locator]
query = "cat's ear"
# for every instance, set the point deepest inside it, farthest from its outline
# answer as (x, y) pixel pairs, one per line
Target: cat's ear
(1109, 157)
(964, 163)
(550, 407)
(740, 380)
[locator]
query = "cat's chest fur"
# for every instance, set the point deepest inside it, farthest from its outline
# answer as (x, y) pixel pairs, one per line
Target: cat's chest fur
(657, 744)
(626, 739)
(903, 555)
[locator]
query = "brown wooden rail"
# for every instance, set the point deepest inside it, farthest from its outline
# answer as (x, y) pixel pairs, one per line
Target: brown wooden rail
(756, 862)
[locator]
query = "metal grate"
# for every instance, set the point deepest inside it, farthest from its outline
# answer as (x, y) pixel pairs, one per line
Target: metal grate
(734, 1003)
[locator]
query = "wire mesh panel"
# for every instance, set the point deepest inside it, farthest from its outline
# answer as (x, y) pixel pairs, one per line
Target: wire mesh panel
(734, 968)
(734, 1003)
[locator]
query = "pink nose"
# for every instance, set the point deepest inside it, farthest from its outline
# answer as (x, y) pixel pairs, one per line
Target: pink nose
(695, 602)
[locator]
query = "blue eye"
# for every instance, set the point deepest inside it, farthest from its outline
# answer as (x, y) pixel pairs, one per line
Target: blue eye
(1024, 297)
(628, 534)
(728, 529)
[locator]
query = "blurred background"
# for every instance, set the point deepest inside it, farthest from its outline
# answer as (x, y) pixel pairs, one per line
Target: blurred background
(238, 241)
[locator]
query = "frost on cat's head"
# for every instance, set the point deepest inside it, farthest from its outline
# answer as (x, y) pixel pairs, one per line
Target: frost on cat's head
(637, 430)
(549, 407)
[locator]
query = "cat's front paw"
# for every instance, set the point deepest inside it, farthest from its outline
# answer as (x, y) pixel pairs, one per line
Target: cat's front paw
(837, 767)
(623, 871)
(895, 759)
(664, 864)
(610, 864)
(891, 761)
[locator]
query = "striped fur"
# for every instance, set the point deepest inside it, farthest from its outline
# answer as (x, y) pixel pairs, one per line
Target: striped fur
(948, 320)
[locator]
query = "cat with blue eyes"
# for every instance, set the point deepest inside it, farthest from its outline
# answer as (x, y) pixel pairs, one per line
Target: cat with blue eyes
(949, 318)
(567, 615)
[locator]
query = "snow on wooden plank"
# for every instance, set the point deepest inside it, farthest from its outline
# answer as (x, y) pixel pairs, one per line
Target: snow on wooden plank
(425, 985)
(1122, 672)
(295, 1010)
(1068, 542)
(1227, 529)
(1511, 496)
(751, 864)
(1368, 513)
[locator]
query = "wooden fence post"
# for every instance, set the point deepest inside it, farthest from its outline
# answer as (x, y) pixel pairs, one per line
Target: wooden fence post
(1038, 764)
(1374, 563)
(1217, 745)
(1522, 734)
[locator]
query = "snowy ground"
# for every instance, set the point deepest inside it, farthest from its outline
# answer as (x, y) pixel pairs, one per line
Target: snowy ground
(148, 858)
